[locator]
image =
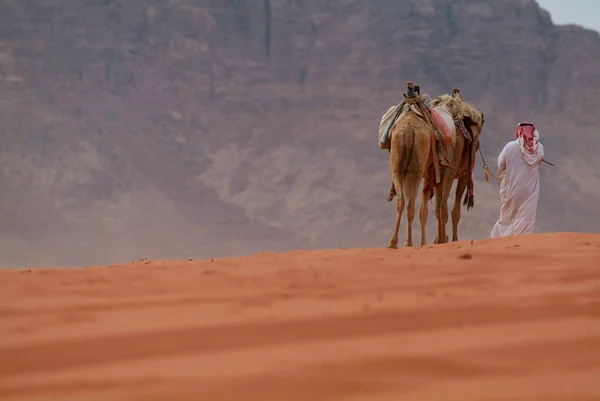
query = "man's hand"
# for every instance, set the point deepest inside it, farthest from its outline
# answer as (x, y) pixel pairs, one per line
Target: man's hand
(487, 172)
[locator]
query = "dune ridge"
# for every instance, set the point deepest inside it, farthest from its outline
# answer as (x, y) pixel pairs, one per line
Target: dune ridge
(516, 318)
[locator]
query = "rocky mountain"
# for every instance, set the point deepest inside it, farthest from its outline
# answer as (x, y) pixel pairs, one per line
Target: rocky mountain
(205, 128)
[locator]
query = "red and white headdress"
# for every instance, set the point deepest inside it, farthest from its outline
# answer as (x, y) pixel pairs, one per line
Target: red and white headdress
(529, 141)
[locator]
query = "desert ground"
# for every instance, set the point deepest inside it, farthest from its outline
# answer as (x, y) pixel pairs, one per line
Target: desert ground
(510, 319)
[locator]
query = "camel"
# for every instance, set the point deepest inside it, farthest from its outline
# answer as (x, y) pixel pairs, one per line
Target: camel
(460, 163)
(461, 160)
(410, 155)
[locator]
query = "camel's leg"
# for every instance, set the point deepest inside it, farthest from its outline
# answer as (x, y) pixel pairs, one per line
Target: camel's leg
(399, 209)
(423, 212)
(447, 186)
(397, 153)
(410, 188)
(442, 195)
(460, 190)
(410, 216)
(438, 208)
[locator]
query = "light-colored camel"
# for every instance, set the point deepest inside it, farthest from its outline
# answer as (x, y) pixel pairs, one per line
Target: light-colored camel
(461, 160)
(410, 156)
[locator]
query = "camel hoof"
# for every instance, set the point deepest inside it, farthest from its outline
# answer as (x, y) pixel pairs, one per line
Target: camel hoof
(408, 244)
(437, 241)
(393, 246)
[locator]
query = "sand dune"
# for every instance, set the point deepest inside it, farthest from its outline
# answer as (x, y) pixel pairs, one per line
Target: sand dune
(513, 319)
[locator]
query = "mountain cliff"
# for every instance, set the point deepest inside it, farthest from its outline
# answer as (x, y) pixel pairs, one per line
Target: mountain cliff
(207, 128)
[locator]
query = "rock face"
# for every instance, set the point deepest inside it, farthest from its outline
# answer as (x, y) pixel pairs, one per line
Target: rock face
(206, 128)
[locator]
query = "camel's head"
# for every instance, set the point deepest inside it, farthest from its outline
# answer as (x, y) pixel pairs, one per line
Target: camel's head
(474, 123)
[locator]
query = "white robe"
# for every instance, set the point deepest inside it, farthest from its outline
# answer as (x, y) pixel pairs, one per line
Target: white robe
(519, 191)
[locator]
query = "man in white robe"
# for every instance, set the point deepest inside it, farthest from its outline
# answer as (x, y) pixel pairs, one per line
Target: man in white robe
(518, 166)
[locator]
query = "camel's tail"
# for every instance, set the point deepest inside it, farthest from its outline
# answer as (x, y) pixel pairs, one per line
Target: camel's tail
(469, 200)
(408, 151)
(401, 168)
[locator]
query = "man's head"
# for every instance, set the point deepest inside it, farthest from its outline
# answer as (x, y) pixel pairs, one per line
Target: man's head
(527, 131)
(528, 136)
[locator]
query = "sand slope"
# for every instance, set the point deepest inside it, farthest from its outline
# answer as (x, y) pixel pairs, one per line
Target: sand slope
(514, 319)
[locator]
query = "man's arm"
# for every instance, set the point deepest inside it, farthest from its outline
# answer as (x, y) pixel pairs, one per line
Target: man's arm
(501, 165)
(502, 160)
(540, 154)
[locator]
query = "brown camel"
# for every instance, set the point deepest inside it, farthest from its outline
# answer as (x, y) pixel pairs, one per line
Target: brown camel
(461, 160)
(410, 155)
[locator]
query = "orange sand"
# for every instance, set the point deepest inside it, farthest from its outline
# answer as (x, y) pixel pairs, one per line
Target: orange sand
(513, 319)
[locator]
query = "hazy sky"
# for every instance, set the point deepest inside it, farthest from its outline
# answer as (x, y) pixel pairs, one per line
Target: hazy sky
(581, 12)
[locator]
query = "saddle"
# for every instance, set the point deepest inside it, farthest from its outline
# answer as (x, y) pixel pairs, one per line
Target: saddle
(413, 102)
